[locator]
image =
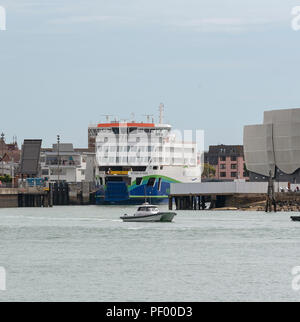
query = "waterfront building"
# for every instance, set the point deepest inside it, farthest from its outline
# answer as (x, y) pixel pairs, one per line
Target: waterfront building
(9, 157)
(228, 163)
(274, 146)
(64, 163)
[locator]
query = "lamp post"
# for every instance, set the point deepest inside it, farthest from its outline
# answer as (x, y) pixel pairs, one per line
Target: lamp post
(2, 142)
(58, 158)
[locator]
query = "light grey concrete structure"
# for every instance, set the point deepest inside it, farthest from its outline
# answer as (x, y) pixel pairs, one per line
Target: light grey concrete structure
(225, 188)
(67, 164)
(274, 146)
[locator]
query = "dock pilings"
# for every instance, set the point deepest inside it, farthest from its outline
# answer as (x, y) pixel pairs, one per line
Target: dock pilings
(188, 202)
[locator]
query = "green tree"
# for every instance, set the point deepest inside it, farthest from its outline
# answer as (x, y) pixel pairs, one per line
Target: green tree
(208, 171)
(5, 178)
(246, 171)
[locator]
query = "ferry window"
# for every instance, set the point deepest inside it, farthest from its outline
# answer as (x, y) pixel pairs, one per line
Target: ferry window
(161, 167)
(139, 181)
(155, 167)
(151, 182)
(159, 184)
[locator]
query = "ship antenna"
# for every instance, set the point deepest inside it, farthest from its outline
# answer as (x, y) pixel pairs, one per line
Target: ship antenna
(133, 117)
(161, 113)
(107, 117)
(148, 117)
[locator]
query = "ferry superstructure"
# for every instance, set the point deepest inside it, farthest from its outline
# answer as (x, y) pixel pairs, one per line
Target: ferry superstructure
(136, 162)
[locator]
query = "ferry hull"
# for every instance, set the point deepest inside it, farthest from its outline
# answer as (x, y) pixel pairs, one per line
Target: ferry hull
(120, 194)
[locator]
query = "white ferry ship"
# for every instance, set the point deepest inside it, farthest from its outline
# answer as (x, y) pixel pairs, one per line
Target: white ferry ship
(136, 161)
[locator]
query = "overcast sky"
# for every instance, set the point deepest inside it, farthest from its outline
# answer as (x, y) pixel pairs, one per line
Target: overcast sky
(215, 64)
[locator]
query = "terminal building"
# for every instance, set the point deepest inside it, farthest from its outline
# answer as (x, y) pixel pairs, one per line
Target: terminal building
(274, 146)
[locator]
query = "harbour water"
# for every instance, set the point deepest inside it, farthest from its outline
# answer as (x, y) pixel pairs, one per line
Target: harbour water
(86, 253)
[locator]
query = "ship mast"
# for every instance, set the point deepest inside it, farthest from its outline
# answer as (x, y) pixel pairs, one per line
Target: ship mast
(107, 117)
(148, 117)
(161, 113)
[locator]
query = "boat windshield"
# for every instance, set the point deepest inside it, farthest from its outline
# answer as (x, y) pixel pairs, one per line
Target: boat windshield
(147, 209)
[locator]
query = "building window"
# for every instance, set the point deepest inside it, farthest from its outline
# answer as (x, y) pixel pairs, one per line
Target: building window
(222, 158)
(245, 174)
(45, 172)
(233, 158)
(233, 174)
(233, 166)
(222, 174)
(222, 166)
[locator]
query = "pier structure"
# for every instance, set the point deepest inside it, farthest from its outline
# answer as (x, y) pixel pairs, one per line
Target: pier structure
(234, 195)
(25, 197)
(194, 196)
(52, 194)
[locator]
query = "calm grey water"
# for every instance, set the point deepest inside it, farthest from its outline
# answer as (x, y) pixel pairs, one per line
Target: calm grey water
(88, 254)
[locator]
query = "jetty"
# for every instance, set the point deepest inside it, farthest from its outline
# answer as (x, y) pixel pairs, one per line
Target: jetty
(232, 196)
(25, 197)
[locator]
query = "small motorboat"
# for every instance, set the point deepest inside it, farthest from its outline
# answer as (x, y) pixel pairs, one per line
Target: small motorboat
(295, 218)
(149, 213)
